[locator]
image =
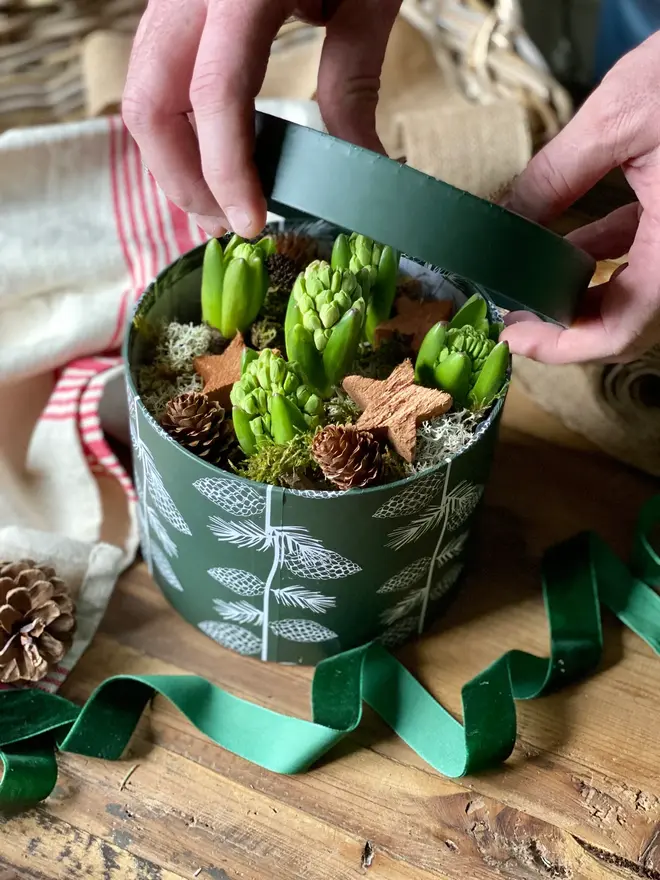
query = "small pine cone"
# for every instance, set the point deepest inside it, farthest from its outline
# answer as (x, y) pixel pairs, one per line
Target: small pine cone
(282, 271)
(300, 249)
(199, 424)
(37, 620)
(348, 457)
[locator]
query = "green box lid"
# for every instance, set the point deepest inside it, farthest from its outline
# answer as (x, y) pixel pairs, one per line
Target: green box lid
(307, 173)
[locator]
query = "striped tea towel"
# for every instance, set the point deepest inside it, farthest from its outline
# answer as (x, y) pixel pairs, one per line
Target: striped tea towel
(83, 230)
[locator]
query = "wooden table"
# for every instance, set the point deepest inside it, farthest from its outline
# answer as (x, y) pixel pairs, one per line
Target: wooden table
(579, 798)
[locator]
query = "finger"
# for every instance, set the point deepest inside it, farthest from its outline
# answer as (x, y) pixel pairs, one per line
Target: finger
(517, 317)
(618, 320)
(350, 68)
(593, 143)
(156, 101)
(612, 236)
(230, 69)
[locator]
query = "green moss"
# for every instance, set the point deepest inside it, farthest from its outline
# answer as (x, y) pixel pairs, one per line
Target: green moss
(378, 363)
(290, 465)
(268, 330)
(394, 467)
(342, 409)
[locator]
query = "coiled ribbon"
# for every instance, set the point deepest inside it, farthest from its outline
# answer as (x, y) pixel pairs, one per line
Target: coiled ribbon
(578, 576)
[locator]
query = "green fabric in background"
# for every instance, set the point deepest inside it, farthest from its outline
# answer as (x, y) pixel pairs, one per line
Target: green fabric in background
(578, 576)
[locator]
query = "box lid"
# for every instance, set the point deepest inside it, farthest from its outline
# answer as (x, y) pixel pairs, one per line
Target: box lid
(307, 173)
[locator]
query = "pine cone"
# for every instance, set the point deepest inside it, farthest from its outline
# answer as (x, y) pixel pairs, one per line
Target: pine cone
(37, 620)
(300, 249)
(348, 457)
(282, 271)
(199, 425)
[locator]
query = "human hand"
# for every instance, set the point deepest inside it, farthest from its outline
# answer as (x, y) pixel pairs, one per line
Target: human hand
(619, 125)
(195, 71)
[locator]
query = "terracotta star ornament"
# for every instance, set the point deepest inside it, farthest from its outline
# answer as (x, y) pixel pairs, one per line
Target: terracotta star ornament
(414, 318)
(396, 406)
(220, 371)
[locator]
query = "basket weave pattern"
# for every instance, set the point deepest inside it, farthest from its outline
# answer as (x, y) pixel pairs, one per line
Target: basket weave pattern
(42, 47)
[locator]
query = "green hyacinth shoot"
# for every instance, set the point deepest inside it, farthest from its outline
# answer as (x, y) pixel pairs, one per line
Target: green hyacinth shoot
(324, 324)
(377, 267)
(272, 402)
(462, 358)
(234, 283)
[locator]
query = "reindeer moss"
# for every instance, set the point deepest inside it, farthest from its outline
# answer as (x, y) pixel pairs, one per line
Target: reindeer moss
(171, 370)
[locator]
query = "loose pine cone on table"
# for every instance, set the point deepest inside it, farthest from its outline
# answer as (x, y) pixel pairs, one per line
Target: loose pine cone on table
(199, 424)
(37, 620)
(348, 457)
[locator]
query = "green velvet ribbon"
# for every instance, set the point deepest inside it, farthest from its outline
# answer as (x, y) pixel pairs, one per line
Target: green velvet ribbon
(578, 576)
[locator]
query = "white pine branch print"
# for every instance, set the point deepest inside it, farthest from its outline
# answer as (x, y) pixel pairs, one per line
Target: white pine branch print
(452, 549)
(446, 582)
(402, 608)
(295, 539)
(462, 501)
(419, 526)
(242, 534)
(299, 597)
(239, 612)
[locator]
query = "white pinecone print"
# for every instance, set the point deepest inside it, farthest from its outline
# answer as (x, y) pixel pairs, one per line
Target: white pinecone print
(161, 533)
(398, 633)
(163, 500)
(446, 582)
(232, 636)
(243, 583)
(413, 499)
(231, 496)
(164, 566)
(407, 577)
(320, 565)
(302, 631)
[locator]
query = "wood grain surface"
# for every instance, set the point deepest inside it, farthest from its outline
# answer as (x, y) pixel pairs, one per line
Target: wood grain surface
(579, 798)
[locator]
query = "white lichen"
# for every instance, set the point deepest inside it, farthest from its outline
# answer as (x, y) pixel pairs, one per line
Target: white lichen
(443, 437)
(180, 343)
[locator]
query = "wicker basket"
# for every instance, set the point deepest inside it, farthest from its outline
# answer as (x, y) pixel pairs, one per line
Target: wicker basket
(41, 55)
(53, 53)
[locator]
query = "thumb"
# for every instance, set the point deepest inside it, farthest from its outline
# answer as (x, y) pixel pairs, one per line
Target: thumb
(351, 63)
(589, 147)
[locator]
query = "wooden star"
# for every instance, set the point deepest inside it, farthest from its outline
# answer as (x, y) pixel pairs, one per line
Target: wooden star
(220, 371)
(414, 318)
(396, 406)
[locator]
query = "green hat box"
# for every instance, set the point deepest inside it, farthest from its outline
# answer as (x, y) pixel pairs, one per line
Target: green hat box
(294, 576)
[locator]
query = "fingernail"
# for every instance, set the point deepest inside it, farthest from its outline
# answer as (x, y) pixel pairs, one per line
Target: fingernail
(239, 221)
(211, 225)
(520, 317)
